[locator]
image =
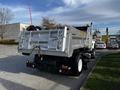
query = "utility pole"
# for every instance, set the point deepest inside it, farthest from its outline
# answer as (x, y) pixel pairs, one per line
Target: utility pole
(107, 36)
(107, 32)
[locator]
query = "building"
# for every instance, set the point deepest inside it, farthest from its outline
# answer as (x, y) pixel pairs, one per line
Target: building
(110, 38)
(11, 31)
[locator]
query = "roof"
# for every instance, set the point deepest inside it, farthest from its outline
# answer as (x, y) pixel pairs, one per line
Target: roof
(15, 24)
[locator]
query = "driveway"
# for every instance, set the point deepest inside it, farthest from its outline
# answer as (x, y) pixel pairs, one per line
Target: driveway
(14, 75)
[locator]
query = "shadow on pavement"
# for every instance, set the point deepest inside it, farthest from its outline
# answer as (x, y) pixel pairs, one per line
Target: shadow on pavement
(9, 85)
(17, 64)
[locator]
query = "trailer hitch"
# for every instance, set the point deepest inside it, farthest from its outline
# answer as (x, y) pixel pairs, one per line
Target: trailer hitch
(33, 64)
(65, 69)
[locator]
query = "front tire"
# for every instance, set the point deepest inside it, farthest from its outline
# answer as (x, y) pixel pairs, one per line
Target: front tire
(93, 54)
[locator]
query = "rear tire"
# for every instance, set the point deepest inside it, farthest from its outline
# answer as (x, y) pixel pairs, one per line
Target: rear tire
(77, 65)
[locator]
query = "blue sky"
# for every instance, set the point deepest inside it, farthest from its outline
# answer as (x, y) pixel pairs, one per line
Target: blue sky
(103, 13)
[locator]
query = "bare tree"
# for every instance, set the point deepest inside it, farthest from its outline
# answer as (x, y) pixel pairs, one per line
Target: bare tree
(5, 16)
(96, 33)
(48, 23)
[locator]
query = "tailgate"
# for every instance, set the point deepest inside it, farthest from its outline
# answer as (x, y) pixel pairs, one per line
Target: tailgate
(52, 40)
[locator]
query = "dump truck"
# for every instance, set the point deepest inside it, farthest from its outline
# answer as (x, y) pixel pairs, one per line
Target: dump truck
(68, 48)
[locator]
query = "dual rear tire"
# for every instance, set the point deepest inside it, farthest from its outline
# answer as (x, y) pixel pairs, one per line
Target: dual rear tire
(77, 64)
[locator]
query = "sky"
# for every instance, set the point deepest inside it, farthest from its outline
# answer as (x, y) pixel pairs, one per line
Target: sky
(103, 13)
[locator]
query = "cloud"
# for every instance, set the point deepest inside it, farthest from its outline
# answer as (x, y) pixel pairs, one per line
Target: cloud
(76, 3)
(87, 1)
(90, 10)
(74, 12)
(71, 2)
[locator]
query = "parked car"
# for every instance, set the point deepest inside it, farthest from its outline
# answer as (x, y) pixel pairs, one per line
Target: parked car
(100, 45)
(113, 45)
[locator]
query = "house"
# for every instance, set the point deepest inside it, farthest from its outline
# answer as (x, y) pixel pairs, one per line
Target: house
(11, 31)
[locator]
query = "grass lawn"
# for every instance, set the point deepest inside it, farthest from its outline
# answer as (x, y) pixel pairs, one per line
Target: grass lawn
(106, 75)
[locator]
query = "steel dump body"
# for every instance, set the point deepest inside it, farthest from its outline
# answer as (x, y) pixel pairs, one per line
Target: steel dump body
(60, 42)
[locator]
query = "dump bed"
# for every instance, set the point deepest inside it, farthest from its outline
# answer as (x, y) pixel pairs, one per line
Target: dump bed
(59, 42)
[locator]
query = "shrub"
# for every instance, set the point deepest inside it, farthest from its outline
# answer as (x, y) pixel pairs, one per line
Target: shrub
(8, 42)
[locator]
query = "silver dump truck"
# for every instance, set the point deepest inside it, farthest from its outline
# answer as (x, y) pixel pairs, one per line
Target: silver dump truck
(68, 49)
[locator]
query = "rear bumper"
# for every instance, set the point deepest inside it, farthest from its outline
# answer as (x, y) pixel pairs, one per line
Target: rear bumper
(43, 52)
(100, 47)
(113, 47)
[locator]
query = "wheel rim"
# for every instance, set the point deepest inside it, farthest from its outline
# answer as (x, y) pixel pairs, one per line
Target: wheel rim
(80, 65)
(94, 53)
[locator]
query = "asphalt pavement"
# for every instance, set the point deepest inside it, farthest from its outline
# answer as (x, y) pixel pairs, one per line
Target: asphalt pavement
(14, 75)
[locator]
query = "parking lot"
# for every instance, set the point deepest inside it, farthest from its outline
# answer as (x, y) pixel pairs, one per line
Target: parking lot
(14, 75)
